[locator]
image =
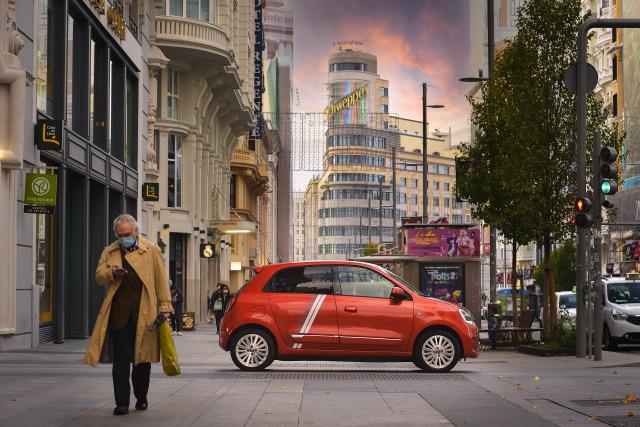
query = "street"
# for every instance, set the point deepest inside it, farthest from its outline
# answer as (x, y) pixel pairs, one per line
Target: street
(51, 386)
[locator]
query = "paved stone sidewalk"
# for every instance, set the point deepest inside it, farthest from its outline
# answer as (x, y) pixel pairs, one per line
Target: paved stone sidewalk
(50, 386)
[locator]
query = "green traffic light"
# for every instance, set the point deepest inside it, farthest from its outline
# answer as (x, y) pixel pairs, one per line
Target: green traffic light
(608, 187)
(605, 187)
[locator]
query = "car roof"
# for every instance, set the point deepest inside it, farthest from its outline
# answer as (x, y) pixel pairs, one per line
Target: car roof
(282, 265)
(619, 280)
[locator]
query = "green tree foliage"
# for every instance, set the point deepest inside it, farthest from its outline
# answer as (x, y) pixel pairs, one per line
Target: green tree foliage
(370, 249)
(521, 175)
(563, 262)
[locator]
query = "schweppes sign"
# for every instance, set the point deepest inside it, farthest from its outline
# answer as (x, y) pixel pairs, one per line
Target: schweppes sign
(347, 102)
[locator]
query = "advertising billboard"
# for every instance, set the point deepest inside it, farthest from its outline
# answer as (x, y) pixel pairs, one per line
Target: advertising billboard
(443, 281)
(443, 242)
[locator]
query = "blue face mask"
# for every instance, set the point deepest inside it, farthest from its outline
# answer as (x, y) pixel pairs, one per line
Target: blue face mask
(127, 242)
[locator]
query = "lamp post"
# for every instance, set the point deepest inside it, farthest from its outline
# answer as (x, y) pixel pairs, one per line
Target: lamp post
(425, 181)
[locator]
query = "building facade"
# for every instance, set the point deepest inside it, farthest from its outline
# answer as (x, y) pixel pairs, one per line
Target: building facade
(201, 109)
(354, 193)
(298, 227)
(278, 33)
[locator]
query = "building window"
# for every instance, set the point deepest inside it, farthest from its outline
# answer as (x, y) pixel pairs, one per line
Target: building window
(614, 63)
(385, 125)
(467, 219)
(70, 70)
(233, 192)
(384, 91)
(436, 185)
(436, 202)
(347, 66)
(174, 175)
(446, 186)
(614, 106)
(47, 54)
(131, 104)
(173, 94)
(191, 9)
(384, 108)
(414, 183)
(403, 182)
(446, 202)
(414, 200)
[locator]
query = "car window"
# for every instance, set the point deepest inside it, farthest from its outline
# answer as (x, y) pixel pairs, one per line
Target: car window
(362, 282)
(567, 301)
(316, 279)
(624, 293)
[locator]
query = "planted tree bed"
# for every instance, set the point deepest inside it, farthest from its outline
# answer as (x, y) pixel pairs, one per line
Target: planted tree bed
(542, 351)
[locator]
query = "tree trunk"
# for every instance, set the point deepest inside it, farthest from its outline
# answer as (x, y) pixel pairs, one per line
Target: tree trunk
(546, 318)
(514, 283)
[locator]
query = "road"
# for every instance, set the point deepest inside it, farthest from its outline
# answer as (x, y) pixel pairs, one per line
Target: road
(50, 386)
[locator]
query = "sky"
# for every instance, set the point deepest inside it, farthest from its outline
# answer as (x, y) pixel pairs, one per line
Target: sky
(415, 41)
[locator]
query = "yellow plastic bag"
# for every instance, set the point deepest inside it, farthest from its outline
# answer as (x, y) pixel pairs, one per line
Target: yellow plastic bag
(170, 363)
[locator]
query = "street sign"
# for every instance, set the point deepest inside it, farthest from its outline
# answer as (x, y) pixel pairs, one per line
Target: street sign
(40, 192)
(151, 191)
(571, 78)
(48, 134)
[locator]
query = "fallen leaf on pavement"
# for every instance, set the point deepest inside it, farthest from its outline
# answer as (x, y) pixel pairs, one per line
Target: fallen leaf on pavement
(267, 412)
(599, 381)
(536, 378)
(631, 398)
(519, 388)
(535, 406)
(629, 414)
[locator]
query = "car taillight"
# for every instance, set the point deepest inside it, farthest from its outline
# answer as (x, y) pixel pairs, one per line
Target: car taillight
(231, 303)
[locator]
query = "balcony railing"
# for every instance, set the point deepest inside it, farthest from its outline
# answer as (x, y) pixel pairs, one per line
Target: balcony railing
(176, 30)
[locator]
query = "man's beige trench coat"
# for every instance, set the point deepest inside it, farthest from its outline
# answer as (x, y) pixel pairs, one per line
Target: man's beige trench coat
(147, 262)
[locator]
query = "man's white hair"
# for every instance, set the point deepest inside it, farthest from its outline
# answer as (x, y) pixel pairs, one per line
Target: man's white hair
(125, 218)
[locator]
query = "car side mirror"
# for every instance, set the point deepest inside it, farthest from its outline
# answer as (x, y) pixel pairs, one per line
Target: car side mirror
(397, 294)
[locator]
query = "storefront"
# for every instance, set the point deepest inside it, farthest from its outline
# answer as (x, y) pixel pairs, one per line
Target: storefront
(86, 80)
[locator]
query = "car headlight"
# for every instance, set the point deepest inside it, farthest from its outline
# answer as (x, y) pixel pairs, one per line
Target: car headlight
(619, 315)
(466, 315)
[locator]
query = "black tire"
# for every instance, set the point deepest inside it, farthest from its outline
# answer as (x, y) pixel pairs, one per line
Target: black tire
(608, 342)
(436, 351)
(252, 349)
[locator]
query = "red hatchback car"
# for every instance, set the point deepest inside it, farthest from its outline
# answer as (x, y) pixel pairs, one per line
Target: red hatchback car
(342, 310)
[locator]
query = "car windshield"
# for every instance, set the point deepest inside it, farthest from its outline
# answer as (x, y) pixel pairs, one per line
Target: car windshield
(624, 293)
(567, 301)
(401, 280)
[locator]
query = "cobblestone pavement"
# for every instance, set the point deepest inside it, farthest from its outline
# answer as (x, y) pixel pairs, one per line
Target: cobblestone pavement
(50, 386)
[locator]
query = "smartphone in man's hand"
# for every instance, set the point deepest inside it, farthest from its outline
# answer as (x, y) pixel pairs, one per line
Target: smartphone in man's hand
(119, 271)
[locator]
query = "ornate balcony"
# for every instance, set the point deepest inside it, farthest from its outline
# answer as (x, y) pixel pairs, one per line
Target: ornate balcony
(244, 158)
(193, 37)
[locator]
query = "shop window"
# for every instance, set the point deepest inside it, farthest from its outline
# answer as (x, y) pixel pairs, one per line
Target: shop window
(174, 175)
(44, 265)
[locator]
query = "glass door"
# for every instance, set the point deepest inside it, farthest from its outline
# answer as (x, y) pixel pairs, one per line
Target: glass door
(44, 265)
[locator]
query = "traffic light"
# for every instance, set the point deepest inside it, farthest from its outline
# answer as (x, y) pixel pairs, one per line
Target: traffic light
(583, 212)
(608, 171)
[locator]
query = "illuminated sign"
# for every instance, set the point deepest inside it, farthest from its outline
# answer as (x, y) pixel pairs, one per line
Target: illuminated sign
(348, 101)
(151, 191)
(49, 134)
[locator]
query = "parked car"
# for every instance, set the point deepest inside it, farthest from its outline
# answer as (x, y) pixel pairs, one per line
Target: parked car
(342, 310)
(565, 303)
(621, 311)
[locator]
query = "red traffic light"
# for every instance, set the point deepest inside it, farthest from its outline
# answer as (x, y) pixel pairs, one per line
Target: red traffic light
(582, 204)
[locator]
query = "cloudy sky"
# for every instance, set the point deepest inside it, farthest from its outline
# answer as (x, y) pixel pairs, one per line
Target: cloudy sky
(415, 41)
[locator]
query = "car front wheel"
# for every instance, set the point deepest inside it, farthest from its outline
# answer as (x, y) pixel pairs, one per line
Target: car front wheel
(252, 350)
(608, 341)
(436, 351)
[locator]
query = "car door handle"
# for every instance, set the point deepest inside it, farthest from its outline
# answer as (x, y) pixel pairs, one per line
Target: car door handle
(351, 309)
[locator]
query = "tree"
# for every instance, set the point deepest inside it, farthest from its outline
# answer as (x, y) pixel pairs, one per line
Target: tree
(370, 249)
(522, 176)
(563, 262)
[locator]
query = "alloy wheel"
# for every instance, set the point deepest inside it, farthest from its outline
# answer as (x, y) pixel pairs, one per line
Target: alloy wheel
(438, 352)
(252, 350)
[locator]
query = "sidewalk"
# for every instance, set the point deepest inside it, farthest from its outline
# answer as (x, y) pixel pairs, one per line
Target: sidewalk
(50, 386)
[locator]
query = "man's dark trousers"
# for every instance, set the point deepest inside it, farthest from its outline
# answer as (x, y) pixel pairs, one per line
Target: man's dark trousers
(124, 343)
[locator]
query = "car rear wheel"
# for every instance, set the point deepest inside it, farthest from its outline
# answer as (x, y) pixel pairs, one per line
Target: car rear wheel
(252, 350)
(608, 341)
(436, 351)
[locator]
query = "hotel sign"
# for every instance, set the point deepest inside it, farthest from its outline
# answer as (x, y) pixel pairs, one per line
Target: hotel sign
(347, 102)
(49, 134)
(258, 131)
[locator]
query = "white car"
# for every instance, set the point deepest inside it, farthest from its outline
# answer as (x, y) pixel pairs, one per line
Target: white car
(621, 311)
(565, 303)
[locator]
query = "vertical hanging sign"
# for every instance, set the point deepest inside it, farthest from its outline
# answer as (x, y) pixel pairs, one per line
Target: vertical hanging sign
(257, 132)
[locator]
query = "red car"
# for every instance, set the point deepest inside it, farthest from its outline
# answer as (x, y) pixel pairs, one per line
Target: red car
(342, 310)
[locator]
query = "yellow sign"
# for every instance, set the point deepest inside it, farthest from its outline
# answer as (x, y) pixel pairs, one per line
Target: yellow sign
(347, 102)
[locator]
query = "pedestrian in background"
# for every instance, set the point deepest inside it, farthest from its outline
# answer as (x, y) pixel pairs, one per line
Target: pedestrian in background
(219, 299)
(176, 318)
(133, 270)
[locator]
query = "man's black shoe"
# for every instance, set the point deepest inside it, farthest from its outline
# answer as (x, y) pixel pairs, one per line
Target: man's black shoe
(142, 405)
(121, 410)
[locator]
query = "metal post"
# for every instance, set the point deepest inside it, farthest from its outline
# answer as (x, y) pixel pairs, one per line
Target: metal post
(393, 172)
(597, 247)
(369, 216)
(493, 236)
(425, 182)
(380, 211)
(581, 98)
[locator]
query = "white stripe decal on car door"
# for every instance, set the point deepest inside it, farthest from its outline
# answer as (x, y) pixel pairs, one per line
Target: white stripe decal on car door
(311, 317)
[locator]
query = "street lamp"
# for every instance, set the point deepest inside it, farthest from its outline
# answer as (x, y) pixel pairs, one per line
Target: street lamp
(425, 200)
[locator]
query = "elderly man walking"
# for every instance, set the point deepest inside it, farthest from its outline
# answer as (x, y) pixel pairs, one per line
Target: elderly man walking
(133, 271)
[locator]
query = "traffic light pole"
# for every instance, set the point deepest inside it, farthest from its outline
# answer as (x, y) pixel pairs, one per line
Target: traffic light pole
(597, 244)
(581, 242)
(493, 233)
